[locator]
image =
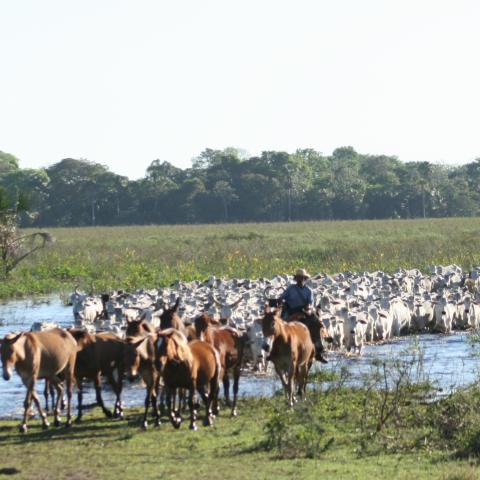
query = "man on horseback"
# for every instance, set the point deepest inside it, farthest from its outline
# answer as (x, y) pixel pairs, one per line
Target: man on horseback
(298, 302)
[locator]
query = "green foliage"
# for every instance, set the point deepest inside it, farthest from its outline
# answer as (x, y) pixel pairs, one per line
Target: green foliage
(297, 432)
(153, 256)
(228, 185)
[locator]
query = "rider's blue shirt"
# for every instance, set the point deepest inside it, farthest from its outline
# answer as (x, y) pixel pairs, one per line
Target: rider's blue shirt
(297, 297)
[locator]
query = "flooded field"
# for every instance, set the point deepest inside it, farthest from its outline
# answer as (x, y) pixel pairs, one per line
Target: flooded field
(449, 360)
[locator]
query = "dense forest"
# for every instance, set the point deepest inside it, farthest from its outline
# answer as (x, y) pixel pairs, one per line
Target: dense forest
(228, 186)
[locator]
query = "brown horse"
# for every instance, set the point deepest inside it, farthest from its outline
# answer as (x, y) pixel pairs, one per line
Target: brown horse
(194, 366)
(318, 332)
(99, 354)
(49, 355)
(139, 358)
(171, 319)
(139, 327)
(291, 351)
(230, 344)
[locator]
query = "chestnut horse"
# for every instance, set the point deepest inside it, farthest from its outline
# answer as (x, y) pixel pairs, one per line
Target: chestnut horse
(194, 366)
(139, 359)
(291, 350)
(230, 344)
(99, 354)
(49, 355)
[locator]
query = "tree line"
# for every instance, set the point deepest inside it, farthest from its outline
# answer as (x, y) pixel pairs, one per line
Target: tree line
(230, 186)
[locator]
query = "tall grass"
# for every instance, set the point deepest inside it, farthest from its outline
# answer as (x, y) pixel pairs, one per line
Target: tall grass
(151, 256)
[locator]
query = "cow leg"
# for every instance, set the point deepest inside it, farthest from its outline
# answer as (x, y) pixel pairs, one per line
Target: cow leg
(98, 393)
(236, 381)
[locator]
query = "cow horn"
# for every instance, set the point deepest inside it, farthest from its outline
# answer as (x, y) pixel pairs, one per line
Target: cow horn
(225, 305)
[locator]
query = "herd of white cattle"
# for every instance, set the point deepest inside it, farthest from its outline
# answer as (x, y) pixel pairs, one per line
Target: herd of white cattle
(356, 308)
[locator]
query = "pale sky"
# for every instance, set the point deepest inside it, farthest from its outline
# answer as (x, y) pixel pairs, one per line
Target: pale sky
(124, 82)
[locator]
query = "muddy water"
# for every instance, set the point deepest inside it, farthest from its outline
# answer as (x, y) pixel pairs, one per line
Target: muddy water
(449, 360)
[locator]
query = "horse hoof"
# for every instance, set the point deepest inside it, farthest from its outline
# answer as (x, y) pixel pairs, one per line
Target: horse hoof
(68, 424)
(193, 427)
(158, 423)
(23, 428)
(234, 412)
(144, 425)
(78, 420)
(108, 413)
(56, 423)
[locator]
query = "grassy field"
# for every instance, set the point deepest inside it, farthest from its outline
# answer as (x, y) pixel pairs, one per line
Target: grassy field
(323, 438)
(152, 256)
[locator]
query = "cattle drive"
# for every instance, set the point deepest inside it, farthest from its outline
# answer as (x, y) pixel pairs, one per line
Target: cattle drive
(190, 337)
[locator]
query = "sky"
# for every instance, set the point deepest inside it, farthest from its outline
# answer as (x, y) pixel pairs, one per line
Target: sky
(125, 82)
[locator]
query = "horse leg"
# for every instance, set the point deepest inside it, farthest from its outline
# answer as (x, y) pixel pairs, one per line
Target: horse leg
(162, 401)
(56, 412)
(148, 399)
(281, 375)
(69, 380)
(80, 399)
(155, 409)
(43, 415)
(45, 423)
(211, 401)
(45, 394)
(181, 396)
(291, 383)
(226, 388)
(193, 412)
(171, 413)
(236, 381)
(117, 388)
(98, 393)
(26, 406)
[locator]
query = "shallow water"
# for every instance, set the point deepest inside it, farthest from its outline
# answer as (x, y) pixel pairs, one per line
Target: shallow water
(449, 360)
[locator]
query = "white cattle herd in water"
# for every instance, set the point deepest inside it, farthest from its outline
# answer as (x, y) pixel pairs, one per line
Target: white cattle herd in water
(116, 335)
(355, 308)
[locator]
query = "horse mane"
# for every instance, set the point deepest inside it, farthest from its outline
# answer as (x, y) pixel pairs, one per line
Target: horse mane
(178, 349)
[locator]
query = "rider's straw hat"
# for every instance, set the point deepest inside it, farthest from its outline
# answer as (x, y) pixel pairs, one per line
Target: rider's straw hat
(301, 272)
